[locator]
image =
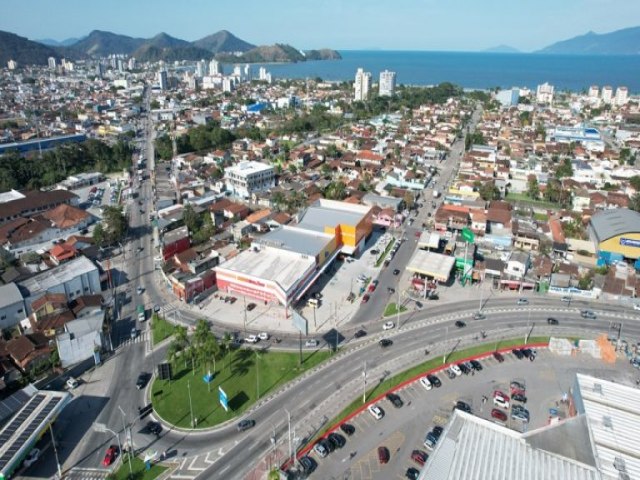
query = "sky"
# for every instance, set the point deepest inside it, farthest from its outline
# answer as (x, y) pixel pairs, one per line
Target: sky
(448, 25)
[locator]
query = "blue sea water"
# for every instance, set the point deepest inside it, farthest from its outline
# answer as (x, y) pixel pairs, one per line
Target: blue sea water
(475, 70)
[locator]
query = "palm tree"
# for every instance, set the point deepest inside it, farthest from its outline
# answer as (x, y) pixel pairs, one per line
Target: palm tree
(180, 336)
(172, 352)
(210, 350)
(226, 344)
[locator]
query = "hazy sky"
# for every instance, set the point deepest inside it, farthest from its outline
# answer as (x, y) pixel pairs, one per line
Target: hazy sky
(342, 24)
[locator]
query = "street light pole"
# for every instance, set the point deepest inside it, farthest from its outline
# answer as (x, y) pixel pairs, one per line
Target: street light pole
(364, 382)
(55, 450)
(289, 422)
(446, 339)
(190, 405)
(124, 431)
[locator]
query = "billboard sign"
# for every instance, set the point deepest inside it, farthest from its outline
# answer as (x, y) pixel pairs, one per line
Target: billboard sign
(630, 242)
(467, 235)
(300, 323)
(224, 400)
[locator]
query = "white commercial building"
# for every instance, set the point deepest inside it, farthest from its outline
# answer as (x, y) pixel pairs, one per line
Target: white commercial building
(215, 68)
(245, 178)
(362, 85)
(52, 63)
(607, 94)
(544, 93)
(163, 80)
(12, 64)
(594, 91)
(387, 85)
(508, 98)
(622, 96)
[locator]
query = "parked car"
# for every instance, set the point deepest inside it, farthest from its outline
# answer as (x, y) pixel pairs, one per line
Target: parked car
(156, 308)
(245, 424)
(263, 336)
(419, 456)
(498, 356)
(412, 473)
(520, 413)
(321, 448)
(110, 455)
(464, 368)
(523, 301)
(359, 334)
(348, 429)
(434, 380)
(383, 455)
(336, 440)
(308, 464)
(518, 354)
(460, 324)
(464, 406)
(450, 374)
(385, 342)
(519, 397)
(72, 383)
(533, 354)
(588, 314)
(479, 316)
(455, 369)
(498, 415)
(365, 298)
(396, 272)
(526, 352)
(430, 440)
(566, 299)
(252, 339)
(391, 290)
(154, 428)
(476, 365)
(501, 401)
(376, 411)
(251, 306)
(388, 326)
(142, 380)
(311, 343)
(424, 381)
(395, 399)
(139, 290)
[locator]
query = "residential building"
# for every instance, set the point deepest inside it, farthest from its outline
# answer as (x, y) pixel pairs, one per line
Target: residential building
(387, 86)
(12, 64)
(362, 85)
(594, 91)
(622, 96)
(246, 178)
(607, 94)
(163, 80)
(544, 93)
(508, 98)
(24, 204)
(52, 63)
(12, 306)
(175, 241)
(215, 68)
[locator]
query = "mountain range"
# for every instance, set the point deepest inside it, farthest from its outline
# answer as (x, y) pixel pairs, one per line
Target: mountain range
(223, 45)
(619, 42)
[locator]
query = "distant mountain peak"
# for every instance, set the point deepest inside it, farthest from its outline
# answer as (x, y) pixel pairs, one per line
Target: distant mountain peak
(502, 49)
(223, 42)
(619, 42)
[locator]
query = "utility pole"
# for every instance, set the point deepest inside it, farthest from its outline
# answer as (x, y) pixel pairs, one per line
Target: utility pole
(55, 450)
(446, 339)
(190, 405)
(364, 383)
(289, 422)
(124, 431)
(244, 298)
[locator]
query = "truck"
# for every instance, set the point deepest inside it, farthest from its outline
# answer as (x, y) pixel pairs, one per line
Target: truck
(141, 315)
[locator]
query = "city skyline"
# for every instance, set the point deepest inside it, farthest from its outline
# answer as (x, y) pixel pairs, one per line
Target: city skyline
(406, 25)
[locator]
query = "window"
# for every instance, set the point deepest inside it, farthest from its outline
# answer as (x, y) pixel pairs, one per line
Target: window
(77, 292)
(3, 317)
(19, 310)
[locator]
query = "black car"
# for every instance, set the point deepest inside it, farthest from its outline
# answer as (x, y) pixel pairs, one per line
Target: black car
(463, 368)
(532, 355)
(154, 427)
(143, 378)
(526, 353)
(437, 431)
(434, 380)
(518, 353)
(460, 324)
(519, 397)
(359, 333)
(251, 306)
(396, 271)
(552, 321)
(395, 400)
(476, 365)
(385, 342)
(336, 439)
(308, 464)
(245, 425)
(348, 429)
(464, 406)
(412, 473)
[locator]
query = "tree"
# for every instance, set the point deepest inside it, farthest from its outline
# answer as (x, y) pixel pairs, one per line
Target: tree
(172, 352)
(409, 199)
(99, 235)
(533, 190)
(634, 202)
(565, 169)
(488, 191)
(180, 336)
(293, 168)
(278, 199)
(116, 224)
(191, 219)
(635, 182)
(335, 190)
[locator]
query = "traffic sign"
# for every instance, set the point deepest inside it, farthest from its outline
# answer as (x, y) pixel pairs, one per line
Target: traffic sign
(467, 235)
(224, 400)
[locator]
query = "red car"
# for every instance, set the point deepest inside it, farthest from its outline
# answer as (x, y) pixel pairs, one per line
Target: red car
(498, 393)
(499, 415)
(372, 288)
(383, 455)
(419, 456)
(365, 298)
(110, 455)
(515, 391)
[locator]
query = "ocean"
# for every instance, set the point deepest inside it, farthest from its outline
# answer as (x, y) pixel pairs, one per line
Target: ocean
(474, 70)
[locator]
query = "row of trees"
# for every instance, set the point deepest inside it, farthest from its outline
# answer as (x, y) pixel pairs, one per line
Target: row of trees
(200, 138)
(201, 349)
(113, 227)
(36, 171)
(200, 225)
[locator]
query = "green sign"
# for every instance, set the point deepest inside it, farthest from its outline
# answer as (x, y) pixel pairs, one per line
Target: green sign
(467, 235)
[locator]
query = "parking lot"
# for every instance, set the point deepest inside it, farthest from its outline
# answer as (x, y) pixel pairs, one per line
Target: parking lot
(402, 430)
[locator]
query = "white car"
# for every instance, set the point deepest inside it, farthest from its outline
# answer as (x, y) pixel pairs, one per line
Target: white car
(636, 306)
(388, 326)
(252, 339)
(424, 381)
(139, 290)
(500, 401)
(263, 336)
(376, 411)
(72, 383)
(456, 370)
(31, 458)
(311, 343)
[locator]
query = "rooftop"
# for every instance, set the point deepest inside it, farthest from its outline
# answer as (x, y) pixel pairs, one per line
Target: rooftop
(9, 294)
(431, 264)
(50, 279)
(247, 168)
(297, 240)
(330, 213)
(610, 223)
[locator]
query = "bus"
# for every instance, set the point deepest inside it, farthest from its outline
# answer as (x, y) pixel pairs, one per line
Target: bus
(141, 314)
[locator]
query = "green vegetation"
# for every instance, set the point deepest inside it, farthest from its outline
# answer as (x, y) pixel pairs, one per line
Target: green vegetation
(240, 372)
(113, 227)
(31, 171)
(541, 217)
(523, 198)
(475, 138)
(383, 255)
(161, 328)
(139, 471)
(200, 226)
(200, 138)
(424, 367)
(392, 309)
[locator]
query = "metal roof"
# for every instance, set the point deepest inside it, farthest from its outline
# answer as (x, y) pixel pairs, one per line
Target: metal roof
(331, 213)
(296, 239)
(50, 279)
(472, 448)
(431, 264)
(618, 221)
(9, 295)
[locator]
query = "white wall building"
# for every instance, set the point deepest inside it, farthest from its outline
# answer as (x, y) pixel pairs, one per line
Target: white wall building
(163, 80)
(607, 94)
(12, 64)
(362, 85)
(228, 84)
(622, 96)
(387, 85)
(215, 68)
(594, 91)
(245, 178)
(544, 93)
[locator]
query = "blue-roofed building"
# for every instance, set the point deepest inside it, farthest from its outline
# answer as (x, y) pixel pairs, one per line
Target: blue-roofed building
(41, 143)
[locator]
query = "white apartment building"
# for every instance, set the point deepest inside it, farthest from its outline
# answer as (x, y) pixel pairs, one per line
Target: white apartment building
(201, 66)
(246, 178)
(594, 91)
(544, 93)
(12, 64)
(228, 84)
(362, 84)
(607, 94)
(52, 63)
(163, 80)
(622, 96)
(387, 85)
(215, 68)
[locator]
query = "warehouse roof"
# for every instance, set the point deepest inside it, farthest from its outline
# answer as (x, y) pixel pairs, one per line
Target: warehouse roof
(610, 223)
(476, 449)
(330, 213)
(297, 240)
(9, 295)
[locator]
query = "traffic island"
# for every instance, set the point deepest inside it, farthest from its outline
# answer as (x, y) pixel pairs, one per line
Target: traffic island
(192, 398)
(393, 309)
(139, 471)
(160, 328)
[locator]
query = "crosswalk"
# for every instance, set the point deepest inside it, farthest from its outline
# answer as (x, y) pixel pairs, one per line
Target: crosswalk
(86, 474)
(125, 340)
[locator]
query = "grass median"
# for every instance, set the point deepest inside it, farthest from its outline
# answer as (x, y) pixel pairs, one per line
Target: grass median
(161, 328)
(392, 309)
(434, 362)
(240, 373)
(138, 469)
